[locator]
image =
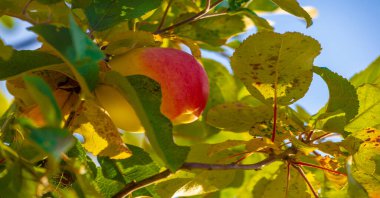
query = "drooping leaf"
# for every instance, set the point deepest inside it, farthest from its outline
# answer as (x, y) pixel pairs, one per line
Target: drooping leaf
(293, 7)
(101, 136)
(76, 49)
(370, 75)
(260, 23)
(104, 14)
(269, 63)
(145, 96)
(213, 31)
(369, 108)
(25, 60)
(237, 117)
(342, 94)
(43, 96)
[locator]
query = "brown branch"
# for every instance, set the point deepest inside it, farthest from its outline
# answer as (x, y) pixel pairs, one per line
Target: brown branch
(302, 173)
(318, 167)
(133, 186)
(164, 16)
(199, 15)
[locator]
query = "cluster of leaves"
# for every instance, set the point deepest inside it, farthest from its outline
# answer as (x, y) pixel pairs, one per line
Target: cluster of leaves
(247, 124)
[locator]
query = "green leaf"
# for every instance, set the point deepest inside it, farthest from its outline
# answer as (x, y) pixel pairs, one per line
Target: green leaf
(370, 75)
(261, 23)
(53, 141)
(3, 104)
(366, 166)
(18, 182)
(342, 94)
(220, 80)
(103, 14)
(6, 51)
(107, 187)
(7, 21)
(269, 63)
(238, 117)
(236, 4)
(332, 122)
(214, 30)
(145, 96)
(76, 49)
(293, 7)
(276, 187)
(43, 96)
(262, 5)
(369, 108)
(135, 168)
(25, 60)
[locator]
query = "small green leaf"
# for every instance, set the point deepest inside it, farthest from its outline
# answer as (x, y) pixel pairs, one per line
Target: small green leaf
(43, 96)
(7, 21)
(332, 122)
(104, 14)
(135, 168)
(305, 148)
(81, 54)
(370, 75)
(369, 108)
(145, 96)
(293, 7)
(53, 141)
(269, 63)
(260, 23)
(25, 60)
(238, 117)
(342, 94)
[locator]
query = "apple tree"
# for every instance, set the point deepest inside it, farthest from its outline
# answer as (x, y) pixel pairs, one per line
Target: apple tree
(120, 102)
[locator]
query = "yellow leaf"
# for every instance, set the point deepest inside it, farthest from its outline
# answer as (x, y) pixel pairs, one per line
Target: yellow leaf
(258, 144)
(101, 137)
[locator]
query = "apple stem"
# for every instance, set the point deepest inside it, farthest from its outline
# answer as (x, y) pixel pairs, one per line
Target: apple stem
(319, 167)
(201, 14)
(299, 169)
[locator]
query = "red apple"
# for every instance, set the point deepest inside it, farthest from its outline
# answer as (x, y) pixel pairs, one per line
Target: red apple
(183, 80)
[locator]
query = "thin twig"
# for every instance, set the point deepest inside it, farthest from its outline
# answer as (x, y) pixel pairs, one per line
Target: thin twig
(308, 138)
(299, 169)
(319, 167)
(320, 137)
(193, 18)
(133, 186)
(164, 16)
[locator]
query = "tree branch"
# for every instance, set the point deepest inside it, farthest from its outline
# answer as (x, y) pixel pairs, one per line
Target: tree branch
(133, 186)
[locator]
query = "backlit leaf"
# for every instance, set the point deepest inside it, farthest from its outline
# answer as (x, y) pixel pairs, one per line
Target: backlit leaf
(214, 31)
(269, 63)
(370, 75)
(262, 5)
(145, 96)
(293, 7)
(76, 49)
(6, 51)
(101, 137)
(369, 108)
(237, 117)
(342, 94)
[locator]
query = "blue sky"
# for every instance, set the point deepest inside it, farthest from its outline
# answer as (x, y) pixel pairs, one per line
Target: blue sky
(348, 31)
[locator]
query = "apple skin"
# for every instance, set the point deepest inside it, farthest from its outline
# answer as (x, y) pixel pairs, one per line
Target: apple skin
(183, 81)
(120, 111)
